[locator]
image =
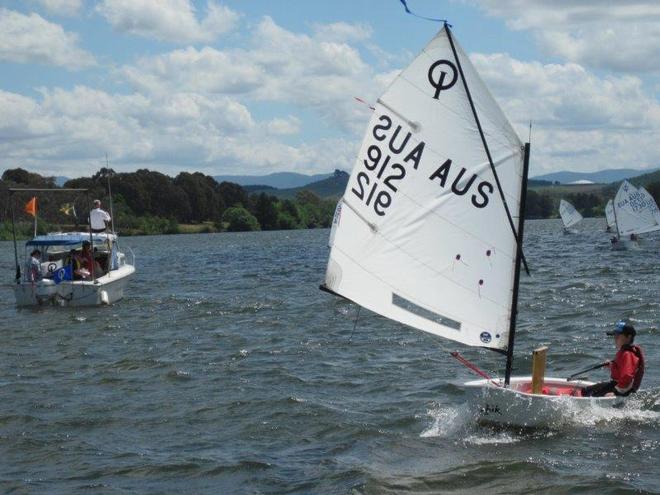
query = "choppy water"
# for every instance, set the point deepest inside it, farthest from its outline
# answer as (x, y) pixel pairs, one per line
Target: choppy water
(226, 370)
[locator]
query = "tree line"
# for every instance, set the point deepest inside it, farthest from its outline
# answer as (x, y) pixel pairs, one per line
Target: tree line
(149, 202)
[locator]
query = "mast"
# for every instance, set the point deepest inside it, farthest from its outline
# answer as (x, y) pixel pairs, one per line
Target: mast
(616, 222)
(112, 213)
(516, 275)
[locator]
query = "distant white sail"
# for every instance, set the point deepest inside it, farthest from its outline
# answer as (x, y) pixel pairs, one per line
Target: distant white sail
(634, 209)
(651, 205)
(569, 215)
(609, 214)
(421, 235)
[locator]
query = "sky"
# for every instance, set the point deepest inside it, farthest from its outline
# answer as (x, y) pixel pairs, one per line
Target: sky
(260, 86)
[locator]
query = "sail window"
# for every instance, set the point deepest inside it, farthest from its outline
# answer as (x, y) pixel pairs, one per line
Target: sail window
(411, 307)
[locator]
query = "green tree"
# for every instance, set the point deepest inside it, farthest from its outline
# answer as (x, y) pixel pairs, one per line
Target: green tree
(265, 210)
(233, 194)
(238, 219)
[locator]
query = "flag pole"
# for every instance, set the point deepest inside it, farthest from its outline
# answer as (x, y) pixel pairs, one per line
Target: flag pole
(13, 233)
(35, 216)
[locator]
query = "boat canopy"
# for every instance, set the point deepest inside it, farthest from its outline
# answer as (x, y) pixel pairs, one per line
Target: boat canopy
(68, 239)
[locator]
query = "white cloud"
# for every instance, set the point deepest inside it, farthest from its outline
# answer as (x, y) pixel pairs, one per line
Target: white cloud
(581, 121)
(66, 132)
(60, 7)
(279, 66)
(168, 20)
(32, 39)
(283, 127)
(621, 36)
(206, 70)
(341, 32)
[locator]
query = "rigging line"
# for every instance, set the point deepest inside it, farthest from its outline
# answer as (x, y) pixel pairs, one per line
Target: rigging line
(483, 140)
(357, 317)
(408, 11)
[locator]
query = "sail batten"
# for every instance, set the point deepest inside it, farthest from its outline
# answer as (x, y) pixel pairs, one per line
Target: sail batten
(422, 235)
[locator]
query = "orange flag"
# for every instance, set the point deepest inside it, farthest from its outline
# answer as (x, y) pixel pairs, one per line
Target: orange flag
(31, 207)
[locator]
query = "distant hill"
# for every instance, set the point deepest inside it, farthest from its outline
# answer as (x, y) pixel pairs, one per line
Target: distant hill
(258, 188)
(600, 177)
(330, 187)
(646, 179)
(60, 180)
(280, 180)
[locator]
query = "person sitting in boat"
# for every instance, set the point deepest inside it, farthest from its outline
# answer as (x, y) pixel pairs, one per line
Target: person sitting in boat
(98, 218)
(84, 263)
(33, 268)
(627, 368)
(633, 237)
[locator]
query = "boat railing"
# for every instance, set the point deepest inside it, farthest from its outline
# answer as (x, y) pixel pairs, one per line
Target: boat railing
(132, 263)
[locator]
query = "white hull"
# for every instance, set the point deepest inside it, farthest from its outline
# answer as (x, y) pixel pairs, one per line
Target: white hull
(107, 289)
(514, 406)
(568, 231)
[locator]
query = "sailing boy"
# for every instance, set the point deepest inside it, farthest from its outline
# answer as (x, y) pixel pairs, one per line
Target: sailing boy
(627, 368)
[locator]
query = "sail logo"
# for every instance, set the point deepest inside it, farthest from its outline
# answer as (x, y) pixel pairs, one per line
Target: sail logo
(439, 81)
(485, 337)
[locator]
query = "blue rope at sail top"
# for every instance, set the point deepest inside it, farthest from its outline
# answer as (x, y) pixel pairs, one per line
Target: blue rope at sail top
(405, 6)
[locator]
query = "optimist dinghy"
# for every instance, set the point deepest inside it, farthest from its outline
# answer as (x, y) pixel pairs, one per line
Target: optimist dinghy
(569, 216)
(429, 230)
(635, 212)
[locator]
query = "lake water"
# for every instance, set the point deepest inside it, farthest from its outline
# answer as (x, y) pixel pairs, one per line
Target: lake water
(225, 370)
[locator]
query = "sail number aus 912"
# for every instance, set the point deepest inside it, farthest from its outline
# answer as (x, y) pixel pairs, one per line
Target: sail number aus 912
(377, 185)
(366, 189)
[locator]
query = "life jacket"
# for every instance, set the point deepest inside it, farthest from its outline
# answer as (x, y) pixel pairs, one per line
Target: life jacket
(639, 374)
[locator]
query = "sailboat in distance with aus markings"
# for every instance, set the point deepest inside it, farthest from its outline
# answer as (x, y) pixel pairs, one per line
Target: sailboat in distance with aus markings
(429, 230)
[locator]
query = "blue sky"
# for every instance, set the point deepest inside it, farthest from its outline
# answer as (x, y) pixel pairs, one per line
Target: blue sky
(253, 87)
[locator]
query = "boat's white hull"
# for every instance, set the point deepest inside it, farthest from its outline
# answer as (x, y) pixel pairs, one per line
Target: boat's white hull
(570, 231)
(513, 406)
(105, 290)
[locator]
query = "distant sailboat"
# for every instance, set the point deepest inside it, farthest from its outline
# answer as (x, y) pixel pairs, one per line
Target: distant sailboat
(569, 216)
(609, 216)
(429, 231)
(635, 213)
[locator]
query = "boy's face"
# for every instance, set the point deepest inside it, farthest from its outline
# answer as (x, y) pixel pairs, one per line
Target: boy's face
(620, 340)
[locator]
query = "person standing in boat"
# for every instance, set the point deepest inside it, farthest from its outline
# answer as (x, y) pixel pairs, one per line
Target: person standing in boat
(627, 368)
(98, 218)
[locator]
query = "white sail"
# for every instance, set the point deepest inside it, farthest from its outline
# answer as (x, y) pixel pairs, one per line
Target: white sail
(569, 215)
(421, 235)
(634, 210)
(609, 214)
(651, 205)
